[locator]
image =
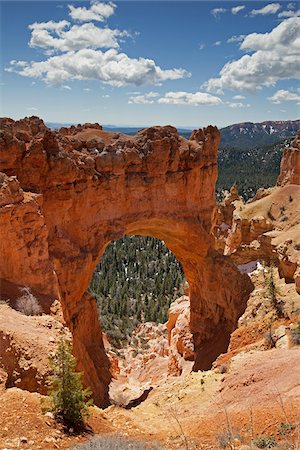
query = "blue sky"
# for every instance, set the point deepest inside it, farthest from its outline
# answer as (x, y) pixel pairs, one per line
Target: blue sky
(142, 63)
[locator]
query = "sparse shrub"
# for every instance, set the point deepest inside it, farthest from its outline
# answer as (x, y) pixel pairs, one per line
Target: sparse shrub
(285, 428)
(269, 213)
(270, 337)
(290, 198)
(227, 438)
(277, 303)
(67, 398)
(295, 333)
(297, 246)
(27, 304)
(265, 441)
(116, 443)
(223, 368)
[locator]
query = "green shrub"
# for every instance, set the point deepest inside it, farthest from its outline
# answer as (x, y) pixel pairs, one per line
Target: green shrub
(68, 400)
(297, 246)
(286, 428)
(296, 334)
(265, 441)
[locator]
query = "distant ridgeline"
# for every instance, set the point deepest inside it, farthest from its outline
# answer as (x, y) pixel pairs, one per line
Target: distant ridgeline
(136, 279)
(250, 154)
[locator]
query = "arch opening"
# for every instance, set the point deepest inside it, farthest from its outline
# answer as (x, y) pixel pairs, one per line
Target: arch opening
(135, 281)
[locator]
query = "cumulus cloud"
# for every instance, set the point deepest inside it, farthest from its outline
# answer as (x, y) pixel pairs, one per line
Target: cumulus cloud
(275, 56)
(216, 12)
(271, 8)
(189, 98)
(201, 46)
(236, 39)
(238, 97)
(97, 11)
(88, 52)
(285, 96)
(55, 37)
(289, 13)
(237, 9)
(110, 67)
(217, 43)
(237, 105)
(143, 99)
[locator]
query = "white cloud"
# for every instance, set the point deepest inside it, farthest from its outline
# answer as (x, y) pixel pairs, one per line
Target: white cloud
(110, 67)
(189, 98)
(66, 87)
(87, 90)
(216, 12)
(201, 46)
(283, 110)
(55, 37)
(237, 105)
(50, 25)
(284, 96)
(289, 13)
(217, 43)
(32, 108)
(176, 98)
(97, 11)
(106, 96)
(237, 9)
(235, 39)
(143, 99)
(276, 56)
(271, 8)
(77, 52)
(238, 97)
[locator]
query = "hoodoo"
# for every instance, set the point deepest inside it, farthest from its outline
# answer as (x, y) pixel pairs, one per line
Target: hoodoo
(64, 195)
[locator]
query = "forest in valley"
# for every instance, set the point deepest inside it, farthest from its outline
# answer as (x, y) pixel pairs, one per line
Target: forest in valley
(136, 280)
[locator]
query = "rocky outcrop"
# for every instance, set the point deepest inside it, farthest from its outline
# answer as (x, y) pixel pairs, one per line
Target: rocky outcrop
(290, 164)
(268, 227)
(180, 339)
(80, 196)
(26, 343)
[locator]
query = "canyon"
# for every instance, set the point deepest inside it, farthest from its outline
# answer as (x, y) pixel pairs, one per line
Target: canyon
(64, 195)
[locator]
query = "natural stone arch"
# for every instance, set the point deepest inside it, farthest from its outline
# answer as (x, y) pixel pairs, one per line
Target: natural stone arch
(155, 183)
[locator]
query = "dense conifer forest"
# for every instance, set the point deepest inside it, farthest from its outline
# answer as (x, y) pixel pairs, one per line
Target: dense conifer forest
(136, 279)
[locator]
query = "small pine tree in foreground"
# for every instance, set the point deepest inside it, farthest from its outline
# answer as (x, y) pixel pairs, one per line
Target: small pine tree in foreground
(68, 400)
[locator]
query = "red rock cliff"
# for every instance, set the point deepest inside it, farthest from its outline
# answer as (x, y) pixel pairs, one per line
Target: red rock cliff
(88, 187)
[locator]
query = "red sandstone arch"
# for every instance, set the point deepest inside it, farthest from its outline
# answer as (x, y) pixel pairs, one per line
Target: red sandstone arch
(155, 183)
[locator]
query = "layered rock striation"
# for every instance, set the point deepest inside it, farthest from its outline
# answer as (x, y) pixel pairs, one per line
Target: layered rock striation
(66, 194)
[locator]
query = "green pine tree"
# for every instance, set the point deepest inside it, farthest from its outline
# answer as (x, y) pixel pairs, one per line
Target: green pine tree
(68, 400)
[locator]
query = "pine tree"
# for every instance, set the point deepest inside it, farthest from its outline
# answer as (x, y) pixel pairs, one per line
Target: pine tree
(68, 400)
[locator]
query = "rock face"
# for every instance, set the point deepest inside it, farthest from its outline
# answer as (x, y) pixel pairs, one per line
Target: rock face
(268, 227)
(26, 343)
(180, 339)
(80, 196)
(290, 164)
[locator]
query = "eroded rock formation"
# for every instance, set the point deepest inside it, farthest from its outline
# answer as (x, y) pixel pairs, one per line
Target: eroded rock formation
(290, 164)
(77, 190)
(268, 227)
